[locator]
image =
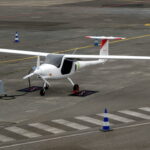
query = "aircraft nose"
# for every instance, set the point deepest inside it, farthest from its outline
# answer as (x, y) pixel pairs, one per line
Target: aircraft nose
(45, 70)
(38, 71)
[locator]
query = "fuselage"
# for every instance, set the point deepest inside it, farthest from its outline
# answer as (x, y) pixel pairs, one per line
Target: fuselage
(59, 67)
(49, 71)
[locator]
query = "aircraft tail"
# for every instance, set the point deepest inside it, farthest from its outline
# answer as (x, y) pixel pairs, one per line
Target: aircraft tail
(104, 44)
(104, 51)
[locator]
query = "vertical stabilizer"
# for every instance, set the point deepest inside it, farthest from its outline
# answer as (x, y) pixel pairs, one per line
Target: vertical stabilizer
(104, 47)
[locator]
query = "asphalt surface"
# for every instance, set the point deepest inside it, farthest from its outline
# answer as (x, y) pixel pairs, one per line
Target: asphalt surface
(121, 85)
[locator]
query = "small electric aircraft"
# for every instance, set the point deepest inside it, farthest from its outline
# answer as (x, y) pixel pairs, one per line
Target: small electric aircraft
(60, 66)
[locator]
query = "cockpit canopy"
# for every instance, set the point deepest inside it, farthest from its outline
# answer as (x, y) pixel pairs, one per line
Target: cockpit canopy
(54, 59)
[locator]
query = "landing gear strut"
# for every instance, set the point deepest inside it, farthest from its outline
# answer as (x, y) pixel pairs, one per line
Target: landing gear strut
(47, 87)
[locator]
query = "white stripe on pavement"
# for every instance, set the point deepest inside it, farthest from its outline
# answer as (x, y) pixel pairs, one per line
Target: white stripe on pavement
(145, 109)
(27, 143)
(135, 114)
(90, 120)
(47, 128)
(71, 124)
(22, 132)
(4, 138)
(116, 117)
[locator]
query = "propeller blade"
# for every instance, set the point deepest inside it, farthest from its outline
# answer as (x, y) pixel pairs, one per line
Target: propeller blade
(29, 75)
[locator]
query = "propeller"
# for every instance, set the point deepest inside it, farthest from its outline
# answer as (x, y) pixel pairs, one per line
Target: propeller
(29, 75)
(37, 72)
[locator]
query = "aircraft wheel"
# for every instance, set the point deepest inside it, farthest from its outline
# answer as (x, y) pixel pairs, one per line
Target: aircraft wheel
(76, 88)
(42, 92)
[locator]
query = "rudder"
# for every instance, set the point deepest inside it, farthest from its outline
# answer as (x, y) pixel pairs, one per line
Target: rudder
(104, 47)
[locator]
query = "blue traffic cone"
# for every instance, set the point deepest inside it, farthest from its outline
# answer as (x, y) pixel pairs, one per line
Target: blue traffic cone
(16, 37)
(106, 124)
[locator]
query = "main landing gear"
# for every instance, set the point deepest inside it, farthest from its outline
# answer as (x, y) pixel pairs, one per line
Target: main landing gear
(43, 90)
(76, 87)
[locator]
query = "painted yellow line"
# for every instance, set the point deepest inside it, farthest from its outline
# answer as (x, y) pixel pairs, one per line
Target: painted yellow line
(148, 24)
(132, 38)
(77, 48)
(15, 60)
(90, 46)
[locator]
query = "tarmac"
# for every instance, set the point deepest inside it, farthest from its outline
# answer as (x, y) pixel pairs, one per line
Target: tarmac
(57, 120)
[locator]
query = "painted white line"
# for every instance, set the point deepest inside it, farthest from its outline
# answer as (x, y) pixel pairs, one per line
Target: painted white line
(4, 138)
(135, 114)
(71, 124)
(116, 117)
(72, 135)
(145, 109)
(90, 120)
(134, 125)
(22, 132)
(47, 128)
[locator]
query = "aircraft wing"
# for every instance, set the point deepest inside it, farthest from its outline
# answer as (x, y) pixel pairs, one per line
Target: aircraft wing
(12, 51)
(107, 57)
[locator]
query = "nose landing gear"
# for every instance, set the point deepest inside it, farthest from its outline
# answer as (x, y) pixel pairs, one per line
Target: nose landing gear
(43, 90)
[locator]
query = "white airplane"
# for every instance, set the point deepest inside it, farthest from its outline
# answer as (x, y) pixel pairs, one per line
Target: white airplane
(60, 66)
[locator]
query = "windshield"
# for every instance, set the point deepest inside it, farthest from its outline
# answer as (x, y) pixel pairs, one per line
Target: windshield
(54, 59)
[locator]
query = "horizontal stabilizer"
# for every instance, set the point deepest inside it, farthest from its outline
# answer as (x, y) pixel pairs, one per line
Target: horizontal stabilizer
(105, 37)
